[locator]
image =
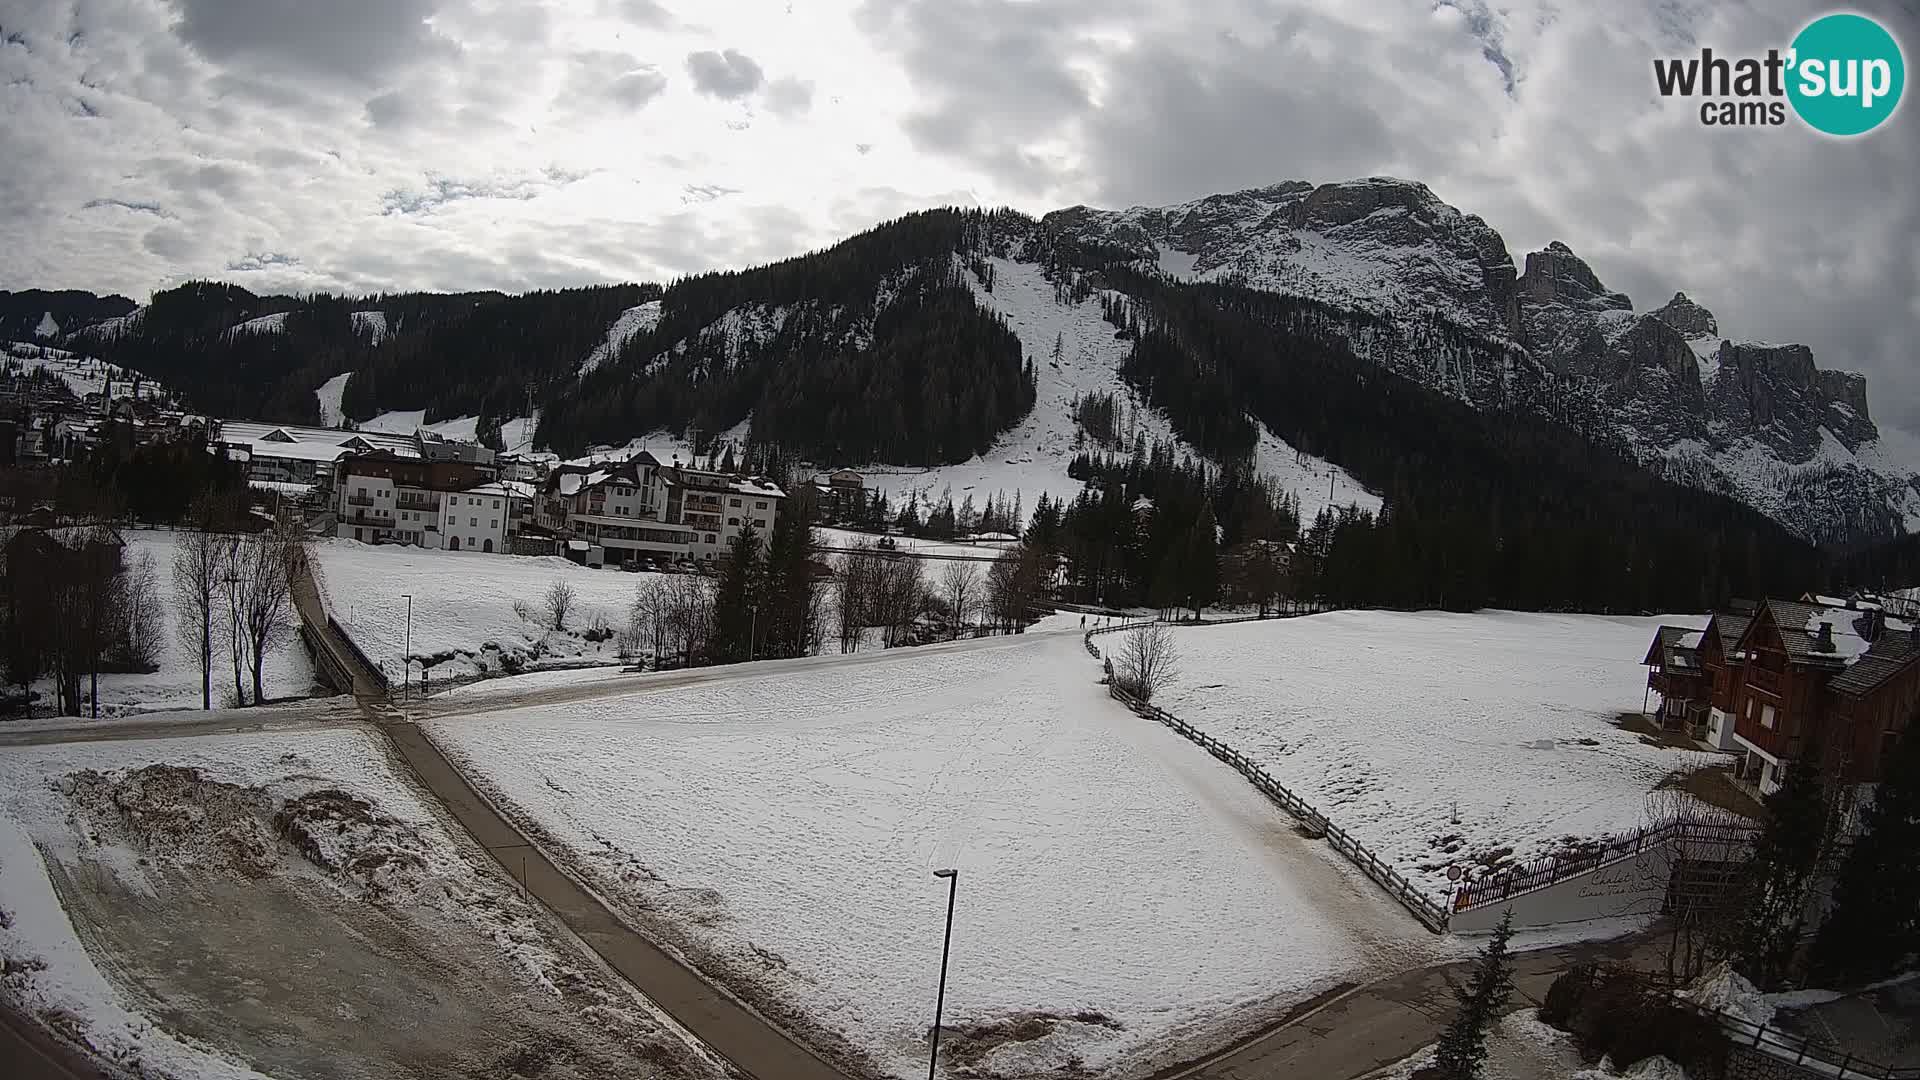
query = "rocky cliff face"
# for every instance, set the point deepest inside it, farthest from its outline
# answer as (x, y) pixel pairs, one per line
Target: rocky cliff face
(1759, 421)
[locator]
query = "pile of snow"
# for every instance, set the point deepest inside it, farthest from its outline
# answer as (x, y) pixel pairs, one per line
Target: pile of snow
(1727, 991)
(780, 825)
(321, 809)
(464, 622)
(1391, 724)
(635, 320)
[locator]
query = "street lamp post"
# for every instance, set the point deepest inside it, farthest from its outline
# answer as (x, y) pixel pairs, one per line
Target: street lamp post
(940, 1002)
(406, 656)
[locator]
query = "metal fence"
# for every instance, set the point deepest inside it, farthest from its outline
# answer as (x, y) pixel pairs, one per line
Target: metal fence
(1551, 869)
(1817, 1058)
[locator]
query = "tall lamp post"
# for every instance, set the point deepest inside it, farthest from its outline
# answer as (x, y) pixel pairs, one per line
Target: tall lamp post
(940, 1002)
(406, 656)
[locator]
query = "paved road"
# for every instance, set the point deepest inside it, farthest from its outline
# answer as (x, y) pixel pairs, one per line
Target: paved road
(29, 1052)
(321, 713)
(742, 1036)
(1382, 1022)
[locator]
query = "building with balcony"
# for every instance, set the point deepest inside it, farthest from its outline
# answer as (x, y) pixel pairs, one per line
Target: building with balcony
(638, 510)
(1833, 681)
(384, 497)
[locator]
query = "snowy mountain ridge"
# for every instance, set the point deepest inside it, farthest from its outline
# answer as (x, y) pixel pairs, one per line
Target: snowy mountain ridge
(1755, 420)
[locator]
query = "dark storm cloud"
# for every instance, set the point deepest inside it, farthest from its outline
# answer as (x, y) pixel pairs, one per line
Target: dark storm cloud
(729, 74)
(359, 41)
(1542, 120)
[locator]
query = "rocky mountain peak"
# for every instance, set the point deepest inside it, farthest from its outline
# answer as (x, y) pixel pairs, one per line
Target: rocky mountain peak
(1555, 275)
(1688, 317)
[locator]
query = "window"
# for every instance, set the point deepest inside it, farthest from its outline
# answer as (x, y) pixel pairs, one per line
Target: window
(760, 505)
(473, 523)
(496, 504)
(1750, 705)
(733, 502)
(710, 538)
(451, 520)
(1766, 717)
(494, 524)
(733, 521)
(760, 523)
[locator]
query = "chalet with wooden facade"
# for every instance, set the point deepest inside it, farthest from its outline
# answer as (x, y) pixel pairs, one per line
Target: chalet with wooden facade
(1834, 678)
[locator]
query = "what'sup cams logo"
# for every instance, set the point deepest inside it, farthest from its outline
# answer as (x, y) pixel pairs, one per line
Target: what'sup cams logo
(1842, 75)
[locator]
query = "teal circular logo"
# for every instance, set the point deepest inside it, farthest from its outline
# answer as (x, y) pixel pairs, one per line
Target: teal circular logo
(1846, 74)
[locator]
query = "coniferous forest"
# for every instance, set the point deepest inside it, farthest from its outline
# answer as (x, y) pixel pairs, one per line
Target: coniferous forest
(876, 349)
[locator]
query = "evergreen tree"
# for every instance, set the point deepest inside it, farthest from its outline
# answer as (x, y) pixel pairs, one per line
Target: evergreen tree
(735, 600)
(789, 594)
(1201, 562)
(1874, 928)
(1463, 1048)
(1761, 938)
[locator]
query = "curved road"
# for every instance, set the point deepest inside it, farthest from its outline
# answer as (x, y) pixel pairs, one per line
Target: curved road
(1348, 1034)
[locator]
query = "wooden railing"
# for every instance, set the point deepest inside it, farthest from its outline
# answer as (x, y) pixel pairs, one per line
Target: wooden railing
(1431, 914)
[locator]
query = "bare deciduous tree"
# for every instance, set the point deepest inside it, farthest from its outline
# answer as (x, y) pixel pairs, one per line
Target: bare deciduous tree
(1146, 662)
(559, 603)
(859, 582)
(1013, 584)
(959, 587)
(139, 616)
(265, 565)
(197, 563)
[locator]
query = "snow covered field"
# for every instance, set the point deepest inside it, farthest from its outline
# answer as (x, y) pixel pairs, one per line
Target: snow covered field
(464, 621)
(233, 907)
(1433, 737)
(979, 549)
(288, 671)
(1117, 887)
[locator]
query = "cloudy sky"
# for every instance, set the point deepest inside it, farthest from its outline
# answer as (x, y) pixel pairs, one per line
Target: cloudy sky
(463, 144)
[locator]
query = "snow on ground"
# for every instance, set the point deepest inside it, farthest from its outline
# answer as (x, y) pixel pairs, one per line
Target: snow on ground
(108, 329)
(329, 394)
(275, 323)
(1392, 723)
(635, 320)
(1520, 1047)
(397, 422)
(176, 685)
(48, 327)
(371, 323)
(464, 621)
(516, 435)
(258, 898)
(1033, 457)
(782, 828)
(977, 549)
(83, 374)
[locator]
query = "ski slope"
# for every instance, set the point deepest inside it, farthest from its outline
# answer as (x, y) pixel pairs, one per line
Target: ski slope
(1033, 457)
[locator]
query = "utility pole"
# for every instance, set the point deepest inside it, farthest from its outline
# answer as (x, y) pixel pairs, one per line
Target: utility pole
(406, 657)
(940, 1002)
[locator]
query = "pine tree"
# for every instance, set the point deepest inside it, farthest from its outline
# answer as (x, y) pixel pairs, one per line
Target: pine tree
(1874, 928)
(1463, 1049)
(735, 600)
(1761, 938)
(1202, 561)
(788, 592)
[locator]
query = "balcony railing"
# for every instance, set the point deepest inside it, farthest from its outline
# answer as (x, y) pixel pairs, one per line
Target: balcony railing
(359, 500)
(1760, 678)
(368, 519)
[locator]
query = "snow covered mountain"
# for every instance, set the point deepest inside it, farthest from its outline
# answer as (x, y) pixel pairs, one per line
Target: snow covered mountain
(1754, 420)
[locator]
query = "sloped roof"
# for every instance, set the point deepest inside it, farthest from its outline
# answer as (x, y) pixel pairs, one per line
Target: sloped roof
(1731, 629)
(1665, 640)
(1894, 652)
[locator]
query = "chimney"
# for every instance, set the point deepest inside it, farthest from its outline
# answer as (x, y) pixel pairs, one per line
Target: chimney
(1823, 641)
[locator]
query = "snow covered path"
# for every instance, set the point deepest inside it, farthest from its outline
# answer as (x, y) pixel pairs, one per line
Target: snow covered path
(779, 827)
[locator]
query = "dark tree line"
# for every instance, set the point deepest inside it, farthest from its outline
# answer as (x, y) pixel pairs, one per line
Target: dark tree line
(1483, 507)
(927, 378)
